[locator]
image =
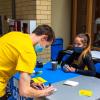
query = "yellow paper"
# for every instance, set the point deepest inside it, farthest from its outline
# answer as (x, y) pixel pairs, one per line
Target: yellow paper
(35, 80)
(86, 92)
(39, 80)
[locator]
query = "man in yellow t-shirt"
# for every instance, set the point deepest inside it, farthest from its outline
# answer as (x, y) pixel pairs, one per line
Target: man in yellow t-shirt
(17, 54)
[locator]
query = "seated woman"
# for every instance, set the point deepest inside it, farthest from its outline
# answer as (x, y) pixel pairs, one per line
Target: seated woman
(80, 60)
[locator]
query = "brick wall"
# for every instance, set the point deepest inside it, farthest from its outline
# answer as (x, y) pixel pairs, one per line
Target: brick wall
(43, 16)
(26, 9)
(5, 11)
(43, 11)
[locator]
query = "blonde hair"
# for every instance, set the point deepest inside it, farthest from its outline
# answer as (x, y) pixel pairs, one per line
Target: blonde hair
(86, 40)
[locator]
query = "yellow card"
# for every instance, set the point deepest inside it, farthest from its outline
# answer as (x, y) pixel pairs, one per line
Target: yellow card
(86, 92)
(39, 80)
(35, 80)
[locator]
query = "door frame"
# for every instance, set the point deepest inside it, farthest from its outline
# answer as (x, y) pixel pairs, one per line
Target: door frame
(1, 25)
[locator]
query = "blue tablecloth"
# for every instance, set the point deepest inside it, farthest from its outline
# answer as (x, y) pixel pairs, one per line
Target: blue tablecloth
(50, 75)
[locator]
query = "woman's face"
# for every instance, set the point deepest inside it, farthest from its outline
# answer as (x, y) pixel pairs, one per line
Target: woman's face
(78, 42)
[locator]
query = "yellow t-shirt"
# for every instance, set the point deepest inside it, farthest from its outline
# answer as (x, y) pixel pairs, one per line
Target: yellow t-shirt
(16, 54)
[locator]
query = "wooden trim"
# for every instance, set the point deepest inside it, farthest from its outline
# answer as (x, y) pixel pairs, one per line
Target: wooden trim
(96, 48)
(89, 18)
(90, 21)
(74, 19)
(13, 9)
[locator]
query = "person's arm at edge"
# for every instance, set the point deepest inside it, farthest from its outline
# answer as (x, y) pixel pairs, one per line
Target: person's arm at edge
(27, 91)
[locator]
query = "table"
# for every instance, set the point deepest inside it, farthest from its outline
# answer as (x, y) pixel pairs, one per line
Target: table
(49, 75)
(65, 92)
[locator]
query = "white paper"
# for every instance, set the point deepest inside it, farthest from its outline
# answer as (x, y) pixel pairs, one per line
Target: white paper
(71, 83)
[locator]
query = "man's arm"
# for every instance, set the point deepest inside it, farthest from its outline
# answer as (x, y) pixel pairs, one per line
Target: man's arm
(27, 91)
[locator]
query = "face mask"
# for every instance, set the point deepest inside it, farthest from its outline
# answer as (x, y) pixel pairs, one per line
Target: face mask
(38, 48)
(78, 49)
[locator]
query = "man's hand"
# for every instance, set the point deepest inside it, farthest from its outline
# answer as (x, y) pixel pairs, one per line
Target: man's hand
(27, 91)
(47, 91)
(38, 86)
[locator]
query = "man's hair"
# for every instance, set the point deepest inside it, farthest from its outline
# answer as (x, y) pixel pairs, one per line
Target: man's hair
(45, 30)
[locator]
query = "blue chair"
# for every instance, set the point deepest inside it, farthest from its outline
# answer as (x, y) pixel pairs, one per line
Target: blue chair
(97, 65)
